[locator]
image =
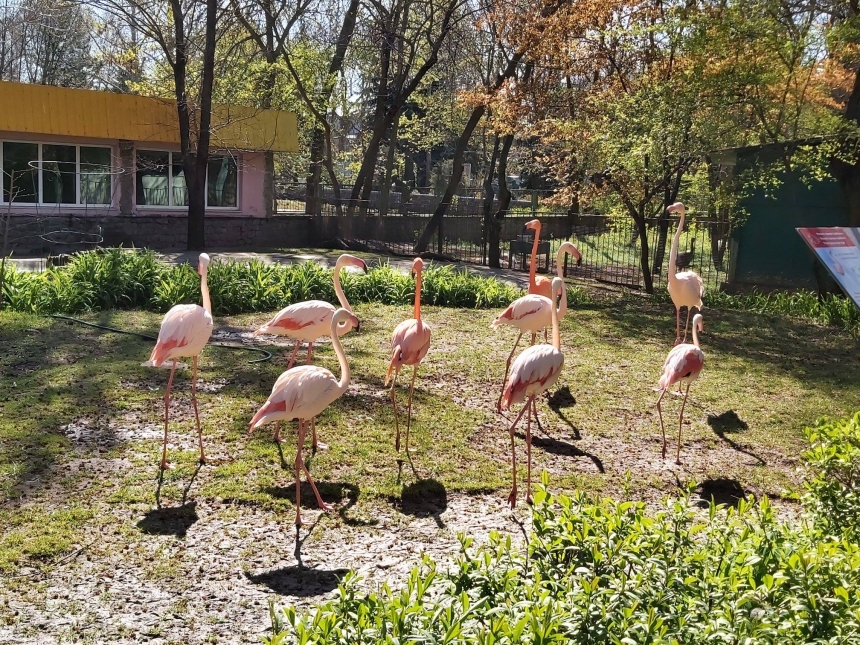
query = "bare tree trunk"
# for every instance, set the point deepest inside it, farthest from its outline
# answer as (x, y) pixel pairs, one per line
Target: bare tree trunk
(385, 189)
(491, 253)
(494, 237)
(459, 155)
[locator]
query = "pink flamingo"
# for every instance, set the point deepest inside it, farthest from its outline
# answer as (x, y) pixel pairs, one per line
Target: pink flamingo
(541, 284)
(684, 362)
(409, 345)
(184, 332)
(533, 373)
(529, 313)
(686, 288)
(310, 320)
(302, 393)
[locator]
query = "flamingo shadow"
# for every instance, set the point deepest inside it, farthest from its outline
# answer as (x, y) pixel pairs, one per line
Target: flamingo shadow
(173, 520)
(298, 581)
(422, 498)
(721, 491)
(563, 448)
(562, 398)
(730, 423)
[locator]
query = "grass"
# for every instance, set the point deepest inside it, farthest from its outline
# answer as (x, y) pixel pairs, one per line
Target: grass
(766, 378)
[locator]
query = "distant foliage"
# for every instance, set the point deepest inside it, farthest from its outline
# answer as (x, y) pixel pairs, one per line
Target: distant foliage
(611, 572)
(123, 279)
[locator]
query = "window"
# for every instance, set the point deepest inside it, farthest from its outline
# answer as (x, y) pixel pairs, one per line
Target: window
(161, 180)
(53, 173)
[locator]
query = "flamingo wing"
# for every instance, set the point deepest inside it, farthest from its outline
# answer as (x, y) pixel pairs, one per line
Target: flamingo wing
(530, 312)
(301, 320)
(688, 289)
(299, 393)
(534, 371)
(184, 331)
(683, 362)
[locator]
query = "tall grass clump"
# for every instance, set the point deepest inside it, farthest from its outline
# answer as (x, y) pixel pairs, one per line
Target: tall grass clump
(606, 571)
(830, 310)
(120, 279)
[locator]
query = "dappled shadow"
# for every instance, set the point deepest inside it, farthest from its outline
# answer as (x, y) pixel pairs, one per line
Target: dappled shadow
(172, 520)
(808, 352)
(422, 498)
(299, 581)
(721, 491)
(729, 423)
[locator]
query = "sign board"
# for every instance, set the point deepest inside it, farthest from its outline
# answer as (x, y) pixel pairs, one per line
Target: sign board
(838, 248)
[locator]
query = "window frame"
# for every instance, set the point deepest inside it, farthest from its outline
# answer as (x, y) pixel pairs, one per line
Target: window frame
(40, 201)
(170, 161)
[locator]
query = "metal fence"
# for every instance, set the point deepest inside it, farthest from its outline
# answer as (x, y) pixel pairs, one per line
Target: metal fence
(610, 246)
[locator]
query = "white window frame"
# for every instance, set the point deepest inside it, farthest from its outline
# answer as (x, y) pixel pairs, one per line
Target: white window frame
(170, 205)
(40, 197)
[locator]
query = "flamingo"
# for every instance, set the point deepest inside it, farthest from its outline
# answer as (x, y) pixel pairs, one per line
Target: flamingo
(184, 332)
(542, 285)
(302, 393)
(409, 344)
(310, 320)
(686, 288)
(531, 313)
(533, 373)
(684, 362)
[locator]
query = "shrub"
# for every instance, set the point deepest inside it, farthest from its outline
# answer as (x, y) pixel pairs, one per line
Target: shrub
(118, 278)
(833, 476)
(611, 572)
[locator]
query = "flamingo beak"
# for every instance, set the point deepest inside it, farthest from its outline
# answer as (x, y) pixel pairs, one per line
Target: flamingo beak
(362, 265)
(579, 261)
(356, 323)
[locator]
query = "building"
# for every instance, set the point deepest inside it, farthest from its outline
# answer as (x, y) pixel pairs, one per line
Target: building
(92, 158)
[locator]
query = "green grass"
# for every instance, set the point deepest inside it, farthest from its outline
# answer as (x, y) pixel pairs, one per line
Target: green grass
(765, 379)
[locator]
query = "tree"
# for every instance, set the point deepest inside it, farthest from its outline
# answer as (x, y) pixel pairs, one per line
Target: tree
(185, 33)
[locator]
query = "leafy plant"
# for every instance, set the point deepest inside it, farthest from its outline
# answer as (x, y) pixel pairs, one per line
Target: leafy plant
(609, 571)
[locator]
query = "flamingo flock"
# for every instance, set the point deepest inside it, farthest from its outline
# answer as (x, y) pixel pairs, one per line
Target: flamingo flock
(303, 392)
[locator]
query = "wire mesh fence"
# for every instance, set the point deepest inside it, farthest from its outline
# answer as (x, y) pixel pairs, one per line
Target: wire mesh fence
(610, 246)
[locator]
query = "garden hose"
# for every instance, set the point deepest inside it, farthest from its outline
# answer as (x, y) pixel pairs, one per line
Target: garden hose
(266, 354)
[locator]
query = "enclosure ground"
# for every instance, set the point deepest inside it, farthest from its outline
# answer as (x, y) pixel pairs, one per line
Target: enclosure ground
(96, 547)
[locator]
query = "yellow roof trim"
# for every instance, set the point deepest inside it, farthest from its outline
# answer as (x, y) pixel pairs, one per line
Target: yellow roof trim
(43, 109)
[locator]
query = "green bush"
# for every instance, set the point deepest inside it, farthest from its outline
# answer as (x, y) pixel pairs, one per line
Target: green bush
(119, 278)
(611, 572)
(833, 476)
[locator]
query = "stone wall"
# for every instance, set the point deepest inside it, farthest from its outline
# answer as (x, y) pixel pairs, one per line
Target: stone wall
(40, 236)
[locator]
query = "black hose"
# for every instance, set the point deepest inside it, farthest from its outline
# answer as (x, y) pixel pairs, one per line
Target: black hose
(266, 354)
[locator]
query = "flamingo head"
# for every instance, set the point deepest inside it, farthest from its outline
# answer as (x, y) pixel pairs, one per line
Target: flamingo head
(677, 207)
(568, 247)
(202, 263)
(351, 260)
(699, 322)
(557, 286)
(533, 225)
(417, 266)
(345, 321)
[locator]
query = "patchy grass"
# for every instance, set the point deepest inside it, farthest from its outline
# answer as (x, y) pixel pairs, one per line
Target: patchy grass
(81, 419)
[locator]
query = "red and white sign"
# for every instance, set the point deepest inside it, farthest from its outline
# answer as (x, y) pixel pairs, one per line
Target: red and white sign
(838, 248)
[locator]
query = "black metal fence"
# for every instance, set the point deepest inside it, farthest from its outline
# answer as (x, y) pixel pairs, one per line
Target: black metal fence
(610, 246)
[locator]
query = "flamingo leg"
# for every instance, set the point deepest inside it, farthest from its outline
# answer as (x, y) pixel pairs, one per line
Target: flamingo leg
(310, 352)
(677, 325)
(512, 498)
(278, 427)
(544, 335)
(507, 369)
(295, 353)
(662, 428)
(196, 413)
(164, 463)
(534, 335)
(323, 505)
(686, 323)
(680, 423)
(409, 413)
(394, 403)
(315, 445)
(532, 408)
(299, 466)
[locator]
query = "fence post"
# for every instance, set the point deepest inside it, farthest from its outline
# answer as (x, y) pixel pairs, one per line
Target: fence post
(534, 203)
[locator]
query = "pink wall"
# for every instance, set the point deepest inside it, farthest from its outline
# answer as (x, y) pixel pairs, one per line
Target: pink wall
(250, 198)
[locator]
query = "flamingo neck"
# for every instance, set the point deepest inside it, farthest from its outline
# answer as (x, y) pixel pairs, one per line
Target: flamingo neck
(695, 337)
(673, 253)
(533, 262)
(343, 383)
(559, 258)
(562, 303)
(556, 338)
(341, 296)
(416, 309)
(204, 290)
